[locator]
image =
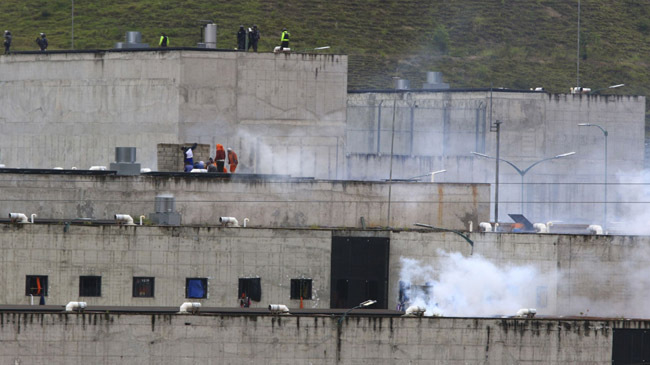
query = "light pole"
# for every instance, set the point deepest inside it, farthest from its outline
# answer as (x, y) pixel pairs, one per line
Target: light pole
(432, 173)
(523, 172)
(605, 133)
(605, 88)
(72, 30)
(367, 303)
(471, 243)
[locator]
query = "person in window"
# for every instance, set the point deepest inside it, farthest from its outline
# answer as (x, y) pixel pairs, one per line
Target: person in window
(245, 301)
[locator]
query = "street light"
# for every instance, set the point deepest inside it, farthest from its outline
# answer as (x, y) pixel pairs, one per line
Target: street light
(605, 88)
(432, 173)
(364, 304)
(471, 243)
(605, 133)
(523, 172)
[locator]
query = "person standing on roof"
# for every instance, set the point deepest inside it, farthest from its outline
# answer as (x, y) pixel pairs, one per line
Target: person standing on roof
(284, 40)
(253, 38)
(241, 39)
(220, 157)
(164, 40)
(232, 160)
(188, 157)
(42, 42)
(7, 41)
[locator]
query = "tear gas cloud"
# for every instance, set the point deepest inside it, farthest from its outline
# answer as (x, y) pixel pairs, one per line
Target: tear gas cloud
(470, 286)
(474, 286)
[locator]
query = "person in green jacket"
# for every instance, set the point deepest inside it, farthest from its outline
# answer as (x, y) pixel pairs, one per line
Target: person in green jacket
(164, 40)
(284, 40)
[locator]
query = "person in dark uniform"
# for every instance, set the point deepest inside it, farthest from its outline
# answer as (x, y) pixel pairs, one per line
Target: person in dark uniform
(42, 42)
(253, 38)
(7, 42)
(241, 39)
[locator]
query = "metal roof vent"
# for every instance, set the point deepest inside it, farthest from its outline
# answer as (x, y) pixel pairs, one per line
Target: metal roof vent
(125, 161)
(402, 84)
(434, 81)
(133, 40)
(165, 204)
(165, 214)
(209, 35)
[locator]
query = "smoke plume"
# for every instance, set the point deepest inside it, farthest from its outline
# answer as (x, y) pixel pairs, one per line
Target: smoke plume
(469, 286)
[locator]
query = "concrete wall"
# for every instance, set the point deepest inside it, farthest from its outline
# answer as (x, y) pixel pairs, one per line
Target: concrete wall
(283, 114)
(270, 202)
(596, 275)
(170, 255)
(232, 339)
(438, 130)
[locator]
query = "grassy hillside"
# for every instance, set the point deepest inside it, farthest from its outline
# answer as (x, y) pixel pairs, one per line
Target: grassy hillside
(475, 43)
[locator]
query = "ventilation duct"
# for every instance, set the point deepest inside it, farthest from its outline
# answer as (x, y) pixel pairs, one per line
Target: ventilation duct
(125, 161)
(434, 81)
(209, 31)
(132, 40)
(402, 84)
(165, 214)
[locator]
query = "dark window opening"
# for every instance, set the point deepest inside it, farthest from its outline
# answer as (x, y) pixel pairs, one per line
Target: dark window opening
(196, 288)
(143, 287)
(300, 288)
(90, 286)
(251, 288)
(36, 285)
(631, 346)
(359, 271)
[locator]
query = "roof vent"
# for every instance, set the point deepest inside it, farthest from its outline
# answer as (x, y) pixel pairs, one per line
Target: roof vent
(165, 214)
(133, 40)
(125, 161)
(434, 81)
(402, 84)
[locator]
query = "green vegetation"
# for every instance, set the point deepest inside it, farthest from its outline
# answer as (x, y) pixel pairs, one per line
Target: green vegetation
(475, 43)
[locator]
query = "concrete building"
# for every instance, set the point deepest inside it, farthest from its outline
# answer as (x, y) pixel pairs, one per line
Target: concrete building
(291, 114)
(311, 242)
(439, 130)
(268, 201)
(563, 274)
(212, 337)
(280, 112)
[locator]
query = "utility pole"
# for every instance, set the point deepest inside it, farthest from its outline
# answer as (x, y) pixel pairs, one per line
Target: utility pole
(72, 32)
(496, 182)
(578, 50)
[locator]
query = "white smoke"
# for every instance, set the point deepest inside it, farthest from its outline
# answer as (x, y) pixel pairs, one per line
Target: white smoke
(628, 199)
(469, 286)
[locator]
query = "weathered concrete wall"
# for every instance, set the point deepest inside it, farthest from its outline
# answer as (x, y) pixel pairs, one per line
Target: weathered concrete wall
(596, 275)
(272, 202)
(283, 114)
(438, 130)
(232, 339)
(170, 255)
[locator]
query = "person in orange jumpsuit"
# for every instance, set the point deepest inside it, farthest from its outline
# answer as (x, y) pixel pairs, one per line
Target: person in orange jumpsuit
(232, 160)
(220, 158)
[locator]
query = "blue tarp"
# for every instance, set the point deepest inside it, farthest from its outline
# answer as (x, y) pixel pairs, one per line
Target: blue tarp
(195, 288)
